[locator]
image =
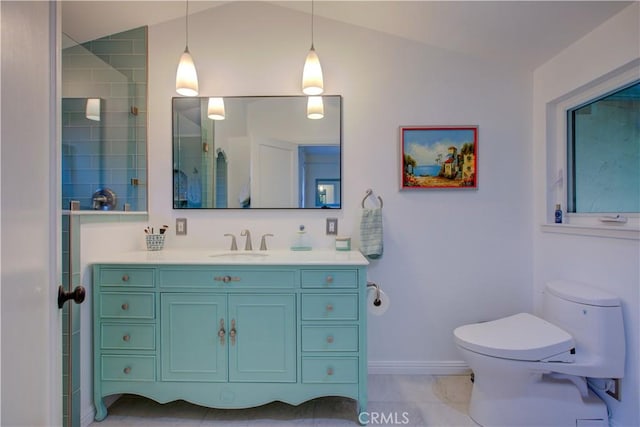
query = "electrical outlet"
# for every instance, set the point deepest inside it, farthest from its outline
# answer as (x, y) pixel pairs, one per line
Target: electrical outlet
(181, 226)
(332, 226)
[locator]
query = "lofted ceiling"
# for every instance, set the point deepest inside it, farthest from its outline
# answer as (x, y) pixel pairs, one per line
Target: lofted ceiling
(525, 33)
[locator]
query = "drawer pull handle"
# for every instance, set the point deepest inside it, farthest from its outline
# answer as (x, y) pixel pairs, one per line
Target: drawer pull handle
(226, 279)
(125, 278)
(125, 306)
(127, 370)
(329, 307)
(329, 371)
(330, 339)
(222, 332)
(329, 279)
(126, 338)
(233, 332)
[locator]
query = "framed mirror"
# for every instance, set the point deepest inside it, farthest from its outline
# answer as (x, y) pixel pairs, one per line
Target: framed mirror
(264, 154)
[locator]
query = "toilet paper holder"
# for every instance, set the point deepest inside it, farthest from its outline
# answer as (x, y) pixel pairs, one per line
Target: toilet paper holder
(377, 302)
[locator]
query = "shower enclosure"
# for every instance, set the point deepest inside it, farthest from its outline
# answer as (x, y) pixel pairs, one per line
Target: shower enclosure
(104, 149)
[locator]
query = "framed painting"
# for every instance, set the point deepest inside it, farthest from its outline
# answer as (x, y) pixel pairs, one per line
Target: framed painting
(439, 157)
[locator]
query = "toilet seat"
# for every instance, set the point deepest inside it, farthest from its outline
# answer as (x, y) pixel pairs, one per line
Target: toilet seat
(522, 336)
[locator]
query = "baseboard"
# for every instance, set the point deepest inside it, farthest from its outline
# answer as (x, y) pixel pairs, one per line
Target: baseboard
(418, 367)
(87, 416)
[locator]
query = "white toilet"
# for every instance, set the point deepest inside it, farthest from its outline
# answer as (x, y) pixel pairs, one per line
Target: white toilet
(531, 371)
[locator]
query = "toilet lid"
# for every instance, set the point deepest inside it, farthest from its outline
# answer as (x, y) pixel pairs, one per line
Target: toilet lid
(522, 336)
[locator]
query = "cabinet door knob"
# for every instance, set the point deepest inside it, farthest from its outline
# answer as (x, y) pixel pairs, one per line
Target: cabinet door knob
(125, 277)
(329, 307)
(329, 371)
(330, 339)
(329, 279)
(127, 370)
(233, 332)
(125, 306)
(126, 338)
(222, 332)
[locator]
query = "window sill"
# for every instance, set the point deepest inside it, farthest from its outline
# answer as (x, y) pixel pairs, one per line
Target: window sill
(614, 231)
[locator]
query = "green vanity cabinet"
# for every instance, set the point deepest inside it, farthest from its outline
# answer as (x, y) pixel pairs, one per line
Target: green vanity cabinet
(229, 336)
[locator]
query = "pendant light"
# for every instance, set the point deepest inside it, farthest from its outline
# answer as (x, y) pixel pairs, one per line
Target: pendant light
(215, 108)
(93, 109)
(186, 76)
(312, 83)
(315, 107)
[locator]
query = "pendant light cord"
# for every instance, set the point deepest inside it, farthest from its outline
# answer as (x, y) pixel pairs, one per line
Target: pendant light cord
(312, 13)
(186, 25)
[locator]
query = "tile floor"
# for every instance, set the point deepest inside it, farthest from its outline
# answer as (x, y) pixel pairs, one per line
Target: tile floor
(409, 400)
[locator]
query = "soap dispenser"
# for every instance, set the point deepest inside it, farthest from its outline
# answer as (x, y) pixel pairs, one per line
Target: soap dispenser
(301, 240)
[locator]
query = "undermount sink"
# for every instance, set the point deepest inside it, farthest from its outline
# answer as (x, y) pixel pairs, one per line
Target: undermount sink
(239, 255)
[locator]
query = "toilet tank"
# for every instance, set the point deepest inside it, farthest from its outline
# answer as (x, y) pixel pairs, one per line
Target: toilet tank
(594, 318)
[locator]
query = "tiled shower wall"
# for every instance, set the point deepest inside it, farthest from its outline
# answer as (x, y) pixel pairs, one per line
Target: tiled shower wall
(111, 153)
(71, 322)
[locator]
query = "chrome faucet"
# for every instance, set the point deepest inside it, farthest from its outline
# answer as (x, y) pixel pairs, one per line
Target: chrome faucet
(234, 246)
(263, 242)
(247, 245)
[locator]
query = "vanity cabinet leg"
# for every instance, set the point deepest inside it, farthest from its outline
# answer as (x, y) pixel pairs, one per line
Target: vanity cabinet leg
(101, 409)
(363, 415)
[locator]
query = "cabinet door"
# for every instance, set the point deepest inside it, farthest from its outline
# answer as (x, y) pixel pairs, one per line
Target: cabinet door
(264, 348)
(191, 348)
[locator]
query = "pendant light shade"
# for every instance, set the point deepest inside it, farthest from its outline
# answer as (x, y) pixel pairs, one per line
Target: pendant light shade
(312, 82)
(315, 107)
(93, 109)
(186, 75)
(215, 109)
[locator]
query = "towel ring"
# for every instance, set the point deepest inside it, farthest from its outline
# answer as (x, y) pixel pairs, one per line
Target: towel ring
(369, 193)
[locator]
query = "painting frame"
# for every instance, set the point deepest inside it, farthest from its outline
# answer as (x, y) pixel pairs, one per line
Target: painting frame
(439, 157)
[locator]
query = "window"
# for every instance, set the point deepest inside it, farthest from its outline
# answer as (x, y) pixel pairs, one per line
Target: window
(603, 153)
(593, 157)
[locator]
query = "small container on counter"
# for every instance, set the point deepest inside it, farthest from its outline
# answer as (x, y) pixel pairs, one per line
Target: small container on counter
(343, 243)
(155, 242)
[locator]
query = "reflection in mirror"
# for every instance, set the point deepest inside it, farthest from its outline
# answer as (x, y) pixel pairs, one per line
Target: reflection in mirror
(266, 153)
(327, 193)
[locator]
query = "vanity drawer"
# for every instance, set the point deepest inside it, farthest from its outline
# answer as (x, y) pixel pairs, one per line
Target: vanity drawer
(330, 370)
(230, 278)
(330, 338)
(127, 305)
(142, 277)
(329, 307)
(128, 368)
(121, 336)
(329, 278)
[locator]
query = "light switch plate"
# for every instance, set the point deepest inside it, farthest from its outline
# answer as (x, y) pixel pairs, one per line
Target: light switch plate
(332, 226)
(181, 226)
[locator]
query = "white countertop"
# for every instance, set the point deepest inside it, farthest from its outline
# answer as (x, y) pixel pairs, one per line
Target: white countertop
(240, 257)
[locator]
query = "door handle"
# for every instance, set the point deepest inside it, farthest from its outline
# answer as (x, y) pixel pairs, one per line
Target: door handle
(77, 295)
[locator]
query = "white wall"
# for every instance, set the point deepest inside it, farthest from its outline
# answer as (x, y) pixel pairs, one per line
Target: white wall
(612, 264)
(451, 256)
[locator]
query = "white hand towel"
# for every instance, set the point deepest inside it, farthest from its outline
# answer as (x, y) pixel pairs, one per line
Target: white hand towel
(371, 233)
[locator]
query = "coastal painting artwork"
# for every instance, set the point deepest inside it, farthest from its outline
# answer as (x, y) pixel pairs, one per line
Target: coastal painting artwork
(439, 157)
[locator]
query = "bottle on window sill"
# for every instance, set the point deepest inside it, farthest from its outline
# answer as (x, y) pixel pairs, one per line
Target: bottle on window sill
(558, 214)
